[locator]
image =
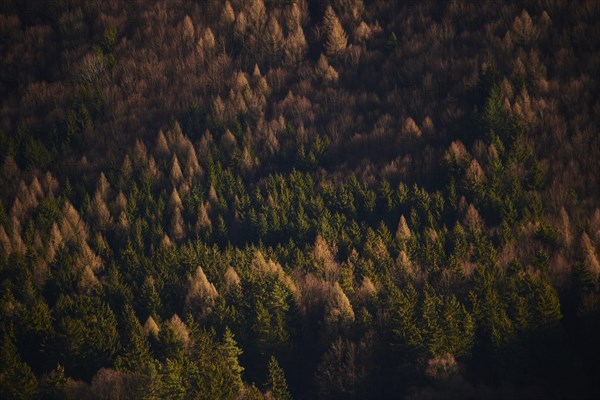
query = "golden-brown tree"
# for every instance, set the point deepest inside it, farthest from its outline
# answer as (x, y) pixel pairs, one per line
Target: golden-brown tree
(336, 39)
(201, 294)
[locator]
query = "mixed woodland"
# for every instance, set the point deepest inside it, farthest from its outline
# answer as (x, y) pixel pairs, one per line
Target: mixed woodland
(276, 199)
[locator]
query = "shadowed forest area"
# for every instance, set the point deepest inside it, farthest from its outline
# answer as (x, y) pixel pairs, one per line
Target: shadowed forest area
(276, 199)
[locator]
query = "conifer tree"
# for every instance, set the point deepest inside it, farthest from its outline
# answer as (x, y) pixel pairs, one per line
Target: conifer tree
(227, 14)
(240, 26)
(595, 225)
(410, 128)
(256, 13)
(72, 226)
(151, 328)
(336, 39)
(161, 146)
(325, 71)
(86, 330)
(403, 232)
(193, 168)
(123, 224)
(140, 154)
(432, 330)
(459, 241)
(188, 29)
(88, 281)
(172, 380)
(50, 184)
(169, 345)
(473, 220)
(367, 289)
(100, 211)
(232, 279)
(363, 32)
(293, 17)
(17, 244)
(212, 196)
(547, 305)
(339, 309)
(203, 223)
(278, 306)
(232, 371)
(150, 299)
(121, 202)
(103, 187)
(590, 256)
(201, 294)
(52, 385)
(5, 243)
(174, 201)
(228, 142)
(176, 174)
(177, 228)
(35, 188)
(277, 385)
(295, 46)
(261, 86)
(325, 258)
(180, 330)
(273, 40)
(136, 351)
(126, 171)
(403, 316)
(524, 28)
(17, 380)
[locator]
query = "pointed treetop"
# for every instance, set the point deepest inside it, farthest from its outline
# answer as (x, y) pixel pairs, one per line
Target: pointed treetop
(363, 32)
(126, 167)
(473, 219)
(151, 327)
(5, 245)
(293, 17)
(232, 279)
(161, 147)
(187, 29)
(256, 13)
(240, 26)
(35, 188)
(177, 228)
(208, 38)
(367, 289)
(152, 170)
(227, 14)
(176, 174)
(339, 309)
(410, 128)
(181, 330)
(201, 293)
(203, 221)
(212, 195)
(337, 39)
(174, 200)
(121, 201)
(103, 186)
(50, 183)
(295, 46)
(277, 384)
(403, 232)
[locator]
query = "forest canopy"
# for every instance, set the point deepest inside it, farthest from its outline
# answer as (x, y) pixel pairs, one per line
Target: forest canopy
(276, 199)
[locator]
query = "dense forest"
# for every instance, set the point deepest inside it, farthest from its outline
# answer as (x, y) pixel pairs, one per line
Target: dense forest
(276, 199)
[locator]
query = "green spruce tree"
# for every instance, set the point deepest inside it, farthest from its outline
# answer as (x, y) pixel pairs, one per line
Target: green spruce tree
(277, 385)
